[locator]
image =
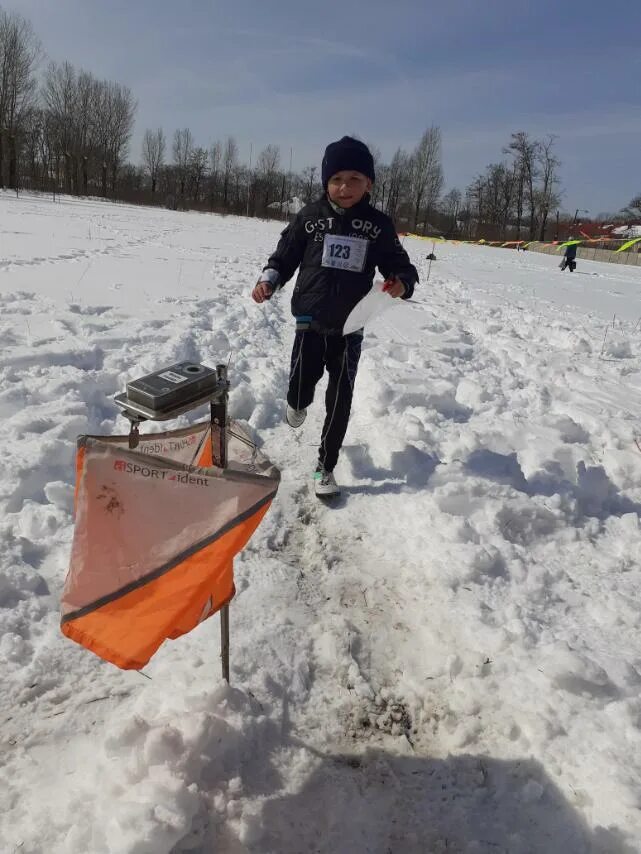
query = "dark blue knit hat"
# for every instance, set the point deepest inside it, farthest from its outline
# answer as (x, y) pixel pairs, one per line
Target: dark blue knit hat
(346, 154)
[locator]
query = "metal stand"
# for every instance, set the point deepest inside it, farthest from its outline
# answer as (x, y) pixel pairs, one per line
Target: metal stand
(218, 409)
(136, 413)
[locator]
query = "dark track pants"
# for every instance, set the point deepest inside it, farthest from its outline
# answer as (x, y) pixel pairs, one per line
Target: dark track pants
(312, 353)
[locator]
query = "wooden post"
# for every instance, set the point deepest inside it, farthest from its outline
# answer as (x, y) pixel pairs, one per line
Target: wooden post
(219, 456)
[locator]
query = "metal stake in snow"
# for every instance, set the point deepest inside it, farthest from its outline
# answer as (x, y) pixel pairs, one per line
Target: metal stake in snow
(219, 455)
(431, 256)
(170, 392)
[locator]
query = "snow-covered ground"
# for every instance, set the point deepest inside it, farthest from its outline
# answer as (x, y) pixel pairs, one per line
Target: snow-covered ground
(447, 661)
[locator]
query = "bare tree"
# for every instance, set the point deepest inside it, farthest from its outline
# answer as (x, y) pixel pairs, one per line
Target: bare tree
(380, 170)
(634, 208)
(427, 174)
(311, 187)
(525, 152)
(31, 135)
(182, 151)
(507, 199)
(88, 125)
(475, 202)
(380, 189)
(120, 109)
(153, 154)
(267, 173)
(85, 118)
(451, 203)
(19, 53)
(103, 119)
(215, 160)
(494, 179)
(498, 199)
(499, 194)
(547, 195)
(49, 153)
(197, 170)
(491, 199)
(59, 95)
(230, 158)
(400, 177)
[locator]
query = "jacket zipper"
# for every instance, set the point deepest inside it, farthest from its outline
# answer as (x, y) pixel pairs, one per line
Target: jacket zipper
(342, 220)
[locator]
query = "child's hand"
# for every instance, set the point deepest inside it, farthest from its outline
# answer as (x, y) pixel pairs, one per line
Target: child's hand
(262, 291)
(394, 287)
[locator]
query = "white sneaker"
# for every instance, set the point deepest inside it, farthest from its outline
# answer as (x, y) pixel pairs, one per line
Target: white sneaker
(295, 417)
(325, 485)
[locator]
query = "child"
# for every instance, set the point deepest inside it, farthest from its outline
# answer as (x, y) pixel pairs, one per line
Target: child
(337, 241)
(569, 256)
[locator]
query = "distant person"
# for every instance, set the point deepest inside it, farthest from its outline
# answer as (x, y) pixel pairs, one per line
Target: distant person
(569, 257)
(337, 242)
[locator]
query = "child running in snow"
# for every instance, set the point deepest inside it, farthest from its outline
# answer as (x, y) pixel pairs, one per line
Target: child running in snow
(337, 242)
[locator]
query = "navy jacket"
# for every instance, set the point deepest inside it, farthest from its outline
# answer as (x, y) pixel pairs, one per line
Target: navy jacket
(324, 295)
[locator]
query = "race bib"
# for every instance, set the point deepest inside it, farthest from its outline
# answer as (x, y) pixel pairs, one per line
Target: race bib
(344, 253)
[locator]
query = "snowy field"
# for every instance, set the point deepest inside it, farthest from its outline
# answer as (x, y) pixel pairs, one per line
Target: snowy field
(447, 662)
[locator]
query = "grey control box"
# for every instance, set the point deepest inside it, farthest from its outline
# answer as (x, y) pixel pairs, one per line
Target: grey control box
(173, 386)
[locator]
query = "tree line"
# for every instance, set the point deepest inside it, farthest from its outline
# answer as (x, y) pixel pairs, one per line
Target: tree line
(70, 132)
(513, 199)
(214, 177)
(64, 130)
(632, 211)
(519, 198)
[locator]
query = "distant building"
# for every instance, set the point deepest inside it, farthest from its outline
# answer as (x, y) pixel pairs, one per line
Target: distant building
(292, 206)
(428, 228)
(627, 231)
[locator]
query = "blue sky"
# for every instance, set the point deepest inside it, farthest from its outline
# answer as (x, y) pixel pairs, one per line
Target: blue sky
(300, 74)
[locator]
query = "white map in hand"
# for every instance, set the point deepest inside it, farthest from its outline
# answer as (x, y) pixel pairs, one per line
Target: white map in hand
(373, 304)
